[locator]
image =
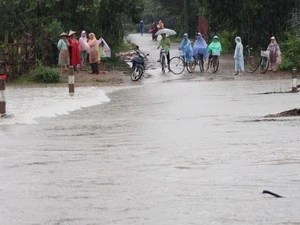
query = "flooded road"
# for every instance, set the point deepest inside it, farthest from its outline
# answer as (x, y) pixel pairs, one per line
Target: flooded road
(179, 151)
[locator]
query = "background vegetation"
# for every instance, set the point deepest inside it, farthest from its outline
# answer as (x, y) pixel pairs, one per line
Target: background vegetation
(41, 21)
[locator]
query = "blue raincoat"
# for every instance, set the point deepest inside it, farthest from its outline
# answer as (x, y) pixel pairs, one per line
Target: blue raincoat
(200, 47)
(186, 48)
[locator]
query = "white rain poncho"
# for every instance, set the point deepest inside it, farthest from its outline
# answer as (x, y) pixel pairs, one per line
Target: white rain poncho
(238, 55)
(106, 47)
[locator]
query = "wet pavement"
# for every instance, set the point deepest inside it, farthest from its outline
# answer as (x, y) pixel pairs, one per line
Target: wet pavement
(175, 150)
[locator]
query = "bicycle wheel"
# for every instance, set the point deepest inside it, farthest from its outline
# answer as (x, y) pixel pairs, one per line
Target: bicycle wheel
(163, 64)
(251, 64)
(137, 73)
(201, 63)
(176, 65)
(264, 65)
(214, 64)
(190, 66)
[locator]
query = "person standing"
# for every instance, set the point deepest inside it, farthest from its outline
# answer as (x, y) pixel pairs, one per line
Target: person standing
(275, 55)
(141, 26)
(186, 48)
(238, 57)
(63, 58)
(104, 54)
(74, 50)
(94, 53)
(84, 49)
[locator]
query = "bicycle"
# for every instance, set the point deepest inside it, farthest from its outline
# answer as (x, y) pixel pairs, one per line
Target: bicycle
(178, 64)
(213, 63)
(163, 58)
(199, 61)
(252, 63)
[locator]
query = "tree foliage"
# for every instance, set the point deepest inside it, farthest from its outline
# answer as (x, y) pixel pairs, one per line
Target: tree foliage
(40, 20)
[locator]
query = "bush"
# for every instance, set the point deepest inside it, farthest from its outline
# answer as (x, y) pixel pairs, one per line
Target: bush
(290, 53)
(227, 41)
(46, 75)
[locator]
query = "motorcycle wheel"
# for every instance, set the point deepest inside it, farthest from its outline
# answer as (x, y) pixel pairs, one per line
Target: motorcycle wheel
(136, 72)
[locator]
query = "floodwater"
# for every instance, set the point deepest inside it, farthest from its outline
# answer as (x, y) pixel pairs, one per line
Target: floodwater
(178, 151)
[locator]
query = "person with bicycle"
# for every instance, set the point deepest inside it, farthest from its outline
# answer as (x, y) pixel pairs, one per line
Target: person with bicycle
(200, 47)
(165, 44)
(214, 49)
(187, 49)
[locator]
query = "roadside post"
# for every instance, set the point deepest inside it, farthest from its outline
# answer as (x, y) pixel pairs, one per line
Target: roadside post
(2, 95)
(294, 79)
(71, 81)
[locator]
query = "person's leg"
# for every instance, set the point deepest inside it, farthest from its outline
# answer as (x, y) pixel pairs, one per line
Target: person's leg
(274, 67)
(104, 67)
(96, 68)
(93, 67)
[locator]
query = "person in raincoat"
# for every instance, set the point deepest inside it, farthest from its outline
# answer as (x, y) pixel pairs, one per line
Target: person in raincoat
(104, 54)
(186, 48)
(141, 26)
(94, 53)
(238, 57)
(200, 47)
(215, 48)
(275, 54)
(74, 52)
(84, 49)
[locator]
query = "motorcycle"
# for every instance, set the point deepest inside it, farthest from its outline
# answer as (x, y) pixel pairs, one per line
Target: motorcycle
(138, 64)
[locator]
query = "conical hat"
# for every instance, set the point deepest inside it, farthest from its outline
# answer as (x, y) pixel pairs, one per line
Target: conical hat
(72, 32)
(63, 34)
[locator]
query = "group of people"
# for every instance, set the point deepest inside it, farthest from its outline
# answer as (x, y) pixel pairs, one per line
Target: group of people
(200, 47)
(273, 50)
(155, 27)
(77, 53)
(190, 50)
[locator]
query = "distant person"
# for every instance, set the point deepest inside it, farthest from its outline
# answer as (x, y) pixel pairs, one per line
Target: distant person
(160, 25)
(142, 27)
(275, 55)
(153, 31)
(94, 53)
(74, 50)
(186, 48)
(84, 49)
(63, 58)
(238, 57)
(165, 44)
(200, 47)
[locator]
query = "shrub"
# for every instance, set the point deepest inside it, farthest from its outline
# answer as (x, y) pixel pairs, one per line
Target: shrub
(227, 41)
(290, 53)
(46, 75)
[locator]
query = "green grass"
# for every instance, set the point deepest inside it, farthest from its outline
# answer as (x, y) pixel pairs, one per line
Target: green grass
(23, 80)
